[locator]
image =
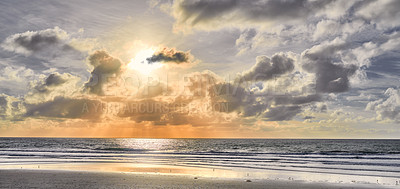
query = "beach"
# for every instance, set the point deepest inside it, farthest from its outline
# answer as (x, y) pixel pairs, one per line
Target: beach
(199, 163)
(14, 178)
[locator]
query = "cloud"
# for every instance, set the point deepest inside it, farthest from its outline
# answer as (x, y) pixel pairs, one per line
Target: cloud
(156, 111)
(245, 100)
(339, 8)
(211, 15)
(258, 104)
(27, 43)
(105, 69)
(15, 79)
(326, 28)
(332, 73)
(64, 107)
(308, 117)
(10, 107)
(387, 107)
(199, 83)
(245, 40)
(167, 55)
(282, 113)
(55, 79)
(154, 89)
(363, 97)
(319, 108)
(382, 13)
(180, 111)
(54, 85)
(268, 68)
(47, 97)
(343, 61)
(194, 106)
(45, 51)
(289, 99)
(237, 98)
(336, 43)
(191, 106)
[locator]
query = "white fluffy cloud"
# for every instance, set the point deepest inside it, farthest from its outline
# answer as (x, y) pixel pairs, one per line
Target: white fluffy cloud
(384, 13)
(268, 68)
(387, 107)
(11, 108)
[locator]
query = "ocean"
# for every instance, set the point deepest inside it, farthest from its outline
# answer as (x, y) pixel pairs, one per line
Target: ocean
(361, 161)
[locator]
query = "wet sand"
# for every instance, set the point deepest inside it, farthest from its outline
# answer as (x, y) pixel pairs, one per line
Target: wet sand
(16, 178)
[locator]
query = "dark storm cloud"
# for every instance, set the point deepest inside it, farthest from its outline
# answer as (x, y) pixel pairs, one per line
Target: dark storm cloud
(267, 68)
(105, 66)
(62, 107)
(169, 55)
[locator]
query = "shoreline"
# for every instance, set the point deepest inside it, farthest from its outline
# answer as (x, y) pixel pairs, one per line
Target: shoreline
(23, 178)
(205, 172)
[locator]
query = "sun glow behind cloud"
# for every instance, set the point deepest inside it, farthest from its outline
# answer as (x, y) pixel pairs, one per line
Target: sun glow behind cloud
(332, 79)
(140, 64)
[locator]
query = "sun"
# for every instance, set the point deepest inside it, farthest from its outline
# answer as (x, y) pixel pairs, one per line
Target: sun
(140, 64)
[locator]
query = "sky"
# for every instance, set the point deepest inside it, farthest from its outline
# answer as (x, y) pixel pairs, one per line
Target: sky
(200, 69)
